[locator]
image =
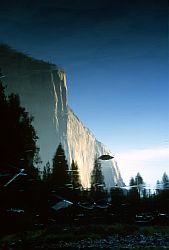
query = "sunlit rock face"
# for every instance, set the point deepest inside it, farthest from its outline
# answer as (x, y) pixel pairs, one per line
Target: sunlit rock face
(81, 145)
(43, 92)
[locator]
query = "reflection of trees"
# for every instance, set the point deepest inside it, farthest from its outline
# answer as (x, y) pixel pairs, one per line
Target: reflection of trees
(18, 136)
(97, 178)
(75, 176)
(97, 181)
(60, 175)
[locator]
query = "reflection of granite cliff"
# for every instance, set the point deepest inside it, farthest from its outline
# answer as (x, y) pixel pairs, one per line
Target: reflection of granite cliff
(42, 89)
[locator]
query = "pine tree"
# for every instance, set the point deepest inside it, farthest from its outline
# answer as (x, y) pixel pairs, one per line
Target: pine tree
(46, 172)
(158, 184)
(165, 181)
(163, 194)
(138, 179)
(97, 178)
(17, 135)
(60, 174)
(132, 182)
(75, 177)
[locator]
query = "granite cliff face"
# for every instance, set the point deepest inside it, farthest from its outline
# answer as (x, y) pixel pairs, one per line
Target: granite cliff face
(80, 144)
(43, 92)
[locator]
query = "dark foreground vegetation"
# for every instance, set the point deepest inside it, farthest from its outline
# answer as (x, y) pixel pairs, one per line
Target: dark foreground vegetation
(52, 210)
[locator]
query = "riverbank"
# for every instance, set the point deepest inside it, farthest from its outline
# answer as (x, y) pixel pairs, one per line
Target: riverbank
(117, 236)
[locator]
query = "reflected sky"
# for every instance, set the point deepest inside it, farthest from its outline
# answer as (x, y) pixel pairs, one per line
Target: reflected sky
(115, 56)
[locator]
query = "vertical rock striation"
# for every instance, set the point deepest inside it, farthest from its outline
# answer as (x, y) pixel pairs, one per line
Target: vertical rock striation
(43, 92)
